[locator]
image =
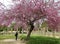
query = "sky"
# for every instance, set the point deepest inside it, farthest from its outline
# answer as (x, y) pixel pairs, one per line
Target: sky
(7, 3)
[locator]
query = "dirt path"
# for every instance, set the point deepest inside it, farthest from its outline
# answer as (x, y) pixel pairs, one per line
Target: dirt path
(11, 41)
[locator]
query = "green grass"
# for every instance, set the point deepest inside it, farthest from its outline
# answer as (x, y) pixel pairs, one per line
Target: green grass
(42, 40)
(34, 39)
(7, 36)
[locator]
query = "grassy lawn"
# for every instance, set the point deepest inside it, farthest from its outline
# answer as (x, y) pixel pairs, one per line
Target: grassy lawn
(34, 39)
(7, 36)
(42, 40)
(10, 36)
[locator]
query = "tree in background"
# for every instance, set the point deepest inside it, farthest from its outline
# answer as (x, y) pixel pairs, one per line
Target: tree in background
(20, 30)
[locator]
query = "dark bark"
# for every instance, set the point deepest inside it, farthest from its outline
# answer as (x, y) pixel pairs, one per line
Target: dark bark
(20, 30)
(30, 30)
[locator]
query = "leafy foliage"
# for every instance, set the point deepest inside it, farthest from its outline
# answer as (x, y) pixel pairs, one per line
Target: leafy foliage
(44, 24)
(3, 28)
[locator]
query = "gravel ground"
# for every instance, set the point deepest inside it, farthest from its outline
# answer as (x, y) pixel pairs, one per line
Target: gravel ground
(11, 41)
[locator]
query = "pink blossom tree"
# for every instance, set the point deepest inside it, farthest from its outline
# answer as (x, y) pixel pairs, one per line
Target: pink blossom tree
(26, 12)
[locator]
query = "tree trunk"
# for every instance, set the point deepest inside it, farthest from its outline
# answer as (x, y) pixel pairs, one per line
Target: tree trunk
(54, 33)
(31, 24)
(30, 30)
(29, 33)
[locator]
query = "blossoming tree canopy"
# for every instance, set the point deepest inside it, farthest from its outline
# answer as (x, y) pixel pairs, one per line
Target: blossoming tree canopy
(54, 15)
(23, 11)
